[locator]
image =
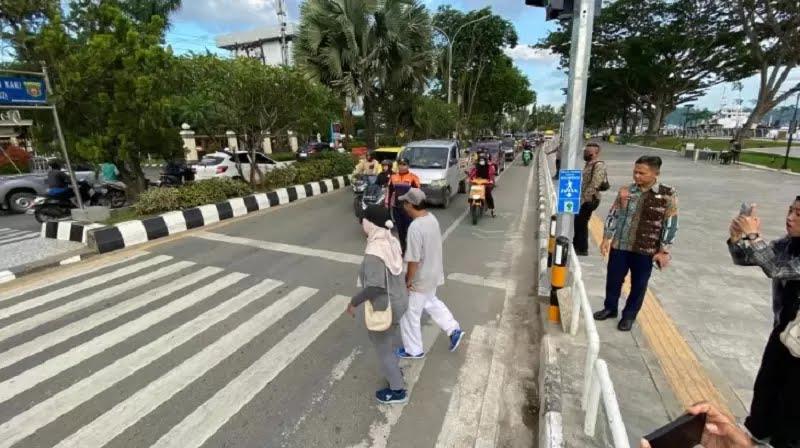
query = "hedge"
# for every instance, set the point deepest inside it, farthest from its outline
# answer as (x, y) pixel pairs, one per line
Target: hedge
(210, 191)
(282, 156)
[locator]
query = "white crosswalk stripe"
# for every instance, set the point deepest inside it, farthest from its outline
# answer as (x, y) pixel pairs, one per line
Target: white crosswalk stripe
(43, 413)
(176, 287)
(15, 237)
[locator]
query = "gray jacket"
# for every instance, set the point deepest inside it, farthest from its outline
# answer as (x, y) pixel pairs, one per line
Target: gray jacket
(373, 277)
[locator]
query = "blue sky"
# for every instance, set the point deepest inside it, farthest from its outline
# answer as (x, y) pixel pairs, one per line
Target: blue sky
(198, 21)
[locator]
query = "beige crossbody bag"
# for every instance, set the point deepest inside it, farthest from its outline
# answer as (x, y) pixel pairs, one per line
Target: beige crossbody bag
(379, 320)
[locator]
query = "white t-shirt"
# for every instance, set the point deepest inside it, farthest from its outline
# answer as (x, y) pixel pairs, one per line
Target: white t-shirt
(424, 246)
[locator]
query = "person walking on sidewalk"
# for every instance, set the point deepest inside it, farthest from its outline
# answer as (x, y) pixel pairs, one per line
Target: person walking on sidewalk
(639, 232)
(383, 285)
(425, 274)
(595, 181)
(775, 409)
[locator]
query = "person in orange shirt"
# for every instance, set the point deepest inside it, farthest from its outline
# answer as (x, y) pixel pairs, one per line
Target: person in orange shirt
(399, 184)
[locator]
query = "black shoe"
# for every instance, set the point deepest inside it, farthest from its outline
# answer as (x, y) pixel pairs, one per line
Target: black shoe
(582, 253)
(625, 325)
(604, 314)
(493, 215)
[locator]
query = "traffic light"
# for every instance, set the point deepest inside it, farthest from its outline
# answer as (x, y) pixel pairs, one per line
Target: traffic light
(559, 9)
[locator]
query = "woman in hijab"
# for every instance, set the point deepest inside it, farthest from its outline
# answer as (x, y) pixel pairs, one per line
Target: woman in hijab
(383, 285)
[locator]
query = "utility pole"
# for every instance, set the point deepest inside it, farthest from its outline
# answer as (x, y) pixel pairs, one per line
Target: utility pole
(450, 42)
(580, 53)
(792, 130)
(281, 10)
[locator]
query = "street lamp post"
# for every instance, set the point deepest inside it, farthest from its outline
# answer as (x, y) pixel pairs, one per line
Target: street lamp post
(450, 42)
(686, 117)
(792, 130)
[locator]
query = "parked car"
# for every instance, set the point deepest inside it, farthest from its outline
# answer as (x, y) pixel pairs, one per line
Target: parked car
(224, 164)
(436, 163)
(18, 192)
(313, 149)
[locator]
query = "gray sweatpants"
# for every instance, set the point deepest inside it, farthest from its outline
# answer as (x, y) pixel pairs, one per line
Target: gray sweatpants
(385, 343)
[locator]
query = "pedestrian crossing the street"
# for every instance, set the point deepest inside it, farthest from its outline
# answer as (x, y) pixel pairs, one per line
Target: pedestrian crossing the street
(79, 343)
(10, 236)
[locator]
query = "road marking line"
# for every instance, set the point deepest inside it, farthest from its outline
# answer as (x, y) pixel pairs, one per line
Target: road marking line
(4, 231)
(477, 280)
(206, 420)
(18, 238)
(98, 344)
(686, 375)
(380, 430)
(126, 413)
(13, 232)
(84, 285)
(53, 277)
(461, 420)
(73, 329)
(70, 260)
(281, 247)
(43, 413)
(337, 373)
(490, 411)
(6, 276)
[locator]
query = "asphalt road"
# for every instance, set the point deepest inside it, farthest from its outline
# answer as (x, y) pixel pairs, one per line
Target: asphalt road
(235, 336)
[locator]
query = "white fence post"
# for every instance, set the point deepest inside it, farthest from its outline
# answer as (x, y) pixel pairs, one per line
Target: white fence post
(592, 406)
(618, 432)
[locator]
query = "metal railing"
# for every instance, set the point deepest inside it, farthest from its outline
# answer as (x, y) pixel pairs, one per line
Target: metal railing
(596, 380)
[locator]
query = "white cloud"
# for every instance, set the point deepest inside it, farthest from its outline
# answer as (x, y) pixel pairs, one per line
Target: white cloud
(527, 53)
(228, 15)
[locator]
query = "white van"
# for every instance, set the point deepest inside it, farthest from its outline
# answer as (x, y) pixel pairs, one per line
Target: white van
(436, 163)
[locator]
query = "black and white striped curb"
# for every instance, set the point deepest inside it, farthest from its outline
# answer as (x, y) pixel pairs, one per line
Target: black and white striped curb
(130, 233)
(551, 429)
(68, 230)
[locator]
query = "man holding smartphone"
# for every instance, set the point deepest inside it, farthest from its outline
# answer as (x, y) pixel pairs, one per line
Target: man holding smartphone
(639, 233)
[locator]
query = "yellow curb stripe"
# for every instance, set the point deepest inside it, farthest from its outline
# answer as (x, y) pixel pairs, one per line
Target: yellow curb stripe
(687, 377)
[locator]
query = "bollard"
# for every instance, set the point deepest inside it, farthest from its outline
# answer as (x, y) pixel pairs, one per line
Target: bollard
(551, 243)
(558, 276)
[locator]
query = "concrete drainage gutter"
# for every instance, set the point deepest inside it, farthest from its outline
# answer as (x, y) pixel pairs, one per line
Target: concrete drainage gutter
(551, 431)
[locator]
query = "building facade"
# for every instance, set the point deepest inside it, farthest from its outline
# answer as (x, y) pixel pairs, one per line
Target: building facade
(264, 44)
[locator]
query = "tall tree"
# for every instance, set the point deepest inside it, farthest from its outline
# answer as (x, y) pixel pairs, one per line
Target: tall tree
(658, 53)
(363, 49)
(477, 55)
(772, 30)
(20, 23)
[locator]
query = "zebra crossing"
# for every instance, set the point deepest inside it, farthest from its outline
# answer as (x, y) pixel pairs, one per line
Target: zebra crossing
(10, 236)
(60, 348)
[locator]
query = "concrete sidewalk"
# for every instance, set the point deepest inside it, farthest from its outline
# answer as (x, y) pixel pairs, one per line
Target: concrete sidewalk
(721, 312)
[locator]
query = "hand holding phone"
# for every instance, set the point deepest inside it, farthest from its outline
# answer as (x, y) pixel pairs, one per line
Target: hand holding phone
(746, 209)
(684, 432)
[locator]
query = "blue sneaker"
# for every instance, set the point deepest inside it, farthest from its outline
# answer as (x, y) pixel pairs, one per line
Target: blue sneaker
(401, 353)
(389, 396)
(455, 339)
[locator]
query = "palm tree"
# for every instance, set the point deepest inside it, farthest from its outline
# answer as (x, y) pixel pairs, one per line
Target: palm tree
(365, 49)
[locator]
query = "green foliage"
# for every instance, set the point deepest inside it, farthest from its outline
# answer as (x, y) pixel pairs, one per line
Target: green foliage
(209, 191)
(434, 118)
(364, 50)
(653, 55)
(278, 178)
(282, 156)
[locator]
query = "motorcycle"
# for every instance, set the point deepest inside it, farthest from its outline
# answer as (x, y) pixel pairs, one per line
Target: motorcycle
(477, 199)
(527, 156)
(56, 208)
(368, 193)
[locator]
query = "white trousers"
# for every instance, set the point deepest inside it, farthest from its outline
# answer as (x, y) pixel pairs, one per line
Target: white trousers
(410, 324)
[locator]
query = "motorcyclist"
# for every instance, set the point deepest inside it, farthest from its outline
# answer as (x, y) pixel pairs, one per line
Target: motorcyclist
(399, 184)
(173, 171)
(109, 172)
(483, 169)
(368, 166)
(386, 173)
(58, 182)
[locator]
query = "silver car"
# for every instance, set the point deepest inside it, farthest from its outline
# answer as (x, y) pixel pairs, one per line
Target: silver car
(18, 192)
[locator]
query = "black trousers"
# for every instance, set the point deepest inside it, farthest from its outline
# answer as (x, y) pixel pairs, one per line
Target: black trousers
(402, 221)
(775, 413)
(489, 197)
(581, 238)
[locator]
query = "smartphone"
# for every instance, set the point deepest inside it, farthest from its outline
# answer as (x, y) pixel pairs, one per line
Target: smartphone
(746, 210)
(684, 432)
